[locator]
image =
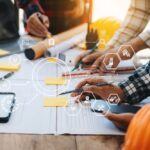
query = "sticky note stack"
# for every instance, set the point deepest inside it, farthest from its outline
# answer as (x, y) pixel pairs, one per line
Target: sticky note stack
(55, 81)
(55, 102)
(3, 52)
(4, 66)
(52, 59)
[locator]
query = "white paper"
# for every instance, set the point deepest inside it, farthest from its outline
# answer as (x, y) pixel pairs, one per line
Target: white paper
(66, 45)
(126, 64)
(30, 70)
(29, 115)
(80, 120)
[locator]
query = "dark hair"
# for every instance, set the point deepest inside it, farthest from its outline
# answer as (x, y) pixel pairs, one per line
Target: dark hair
(8, 20)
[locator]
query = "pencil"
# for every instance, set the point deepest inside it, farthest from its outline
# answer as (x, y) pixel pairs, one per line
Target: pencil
(6, 76)
(81, 89)
(90, 52)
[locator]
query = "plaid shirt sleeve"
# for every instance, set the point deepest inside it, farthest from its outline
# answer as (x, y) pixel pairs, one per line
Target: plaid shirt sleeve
(137, 86)
(134, 23)
(145, 36)
(29, 6)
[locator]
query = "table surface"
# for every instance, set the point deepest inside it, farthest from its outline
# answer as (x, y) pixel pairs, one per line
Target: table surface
(51, 142)
(60, 142)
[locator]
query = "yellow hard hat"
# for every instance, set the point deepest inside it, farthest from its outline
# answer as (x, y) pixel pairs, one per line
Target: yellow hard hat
(106, 28)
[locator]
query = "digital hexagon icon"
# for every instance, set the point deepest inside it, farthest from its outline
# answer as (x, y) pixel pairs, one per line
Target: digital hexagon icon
(100, 107)
(127, 52)
(73, 108)
(51, 42)
(111, 61)
(113, 98)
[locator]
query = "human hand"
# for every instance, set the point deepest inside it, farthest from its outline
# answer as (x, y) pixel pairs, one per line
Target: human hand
(88, 59)
(38, 25)
(101, 92)
(121, 121)
(106, 59)
(106, 62)
(111, 59)
(95, 60)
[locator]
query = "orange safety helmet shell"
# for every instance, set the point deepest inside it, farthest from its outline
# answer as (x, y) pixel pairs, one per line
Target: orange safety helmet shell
(138, 134)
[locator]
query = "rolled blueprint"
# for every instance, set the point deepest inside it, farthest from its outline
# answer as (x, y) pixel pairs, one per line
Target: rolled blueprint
(40, 48)
(66, 45)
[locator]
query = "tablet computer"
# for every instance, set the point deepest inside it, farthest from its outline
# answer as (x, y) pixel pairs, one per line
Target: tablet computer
(7, 102)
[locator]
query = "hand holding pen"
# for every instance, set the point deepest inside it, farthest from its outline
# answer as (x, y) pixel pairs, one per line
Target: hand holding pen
(90, 87)
(38, 24)
(90, 52)
(80, 90)
(45, 21)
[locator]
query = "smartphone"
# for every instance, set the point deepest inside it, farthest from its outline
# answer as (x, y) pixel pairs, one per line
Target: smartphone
(100, 106)
(7, 102)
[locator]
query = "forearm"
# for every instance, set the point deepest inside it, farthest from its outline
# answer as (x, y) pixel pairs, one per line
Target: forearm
(132, 47)
(137, 86)
(133, 24)
(145, 36)
(137, 44)
(122, 38)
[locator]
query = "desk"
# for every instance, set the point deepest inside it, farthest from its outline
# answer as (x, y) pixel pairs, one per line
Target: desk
(65, 142)
(50, 142)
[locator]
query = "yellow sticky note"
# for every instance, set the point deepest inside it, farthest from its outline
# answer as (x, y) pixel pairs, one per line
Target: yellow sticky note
(52, 59)
(4, 66)
(55, 102)
(3, 52)
(55, 81)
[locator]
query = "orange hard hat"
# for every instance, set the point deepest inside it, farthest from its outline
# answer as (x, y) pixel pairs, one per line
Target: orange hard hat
(138, 133)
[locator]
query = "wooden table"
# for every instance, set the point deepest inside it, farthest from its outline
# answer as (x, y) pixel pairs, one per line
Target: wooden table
(62, 142)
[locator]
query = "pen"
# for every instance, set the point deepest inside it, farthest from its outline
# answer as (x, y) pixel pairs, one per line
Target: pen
(79, 73)
(90, 52)
(7, 76)
(41, 20)
(81, 89)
